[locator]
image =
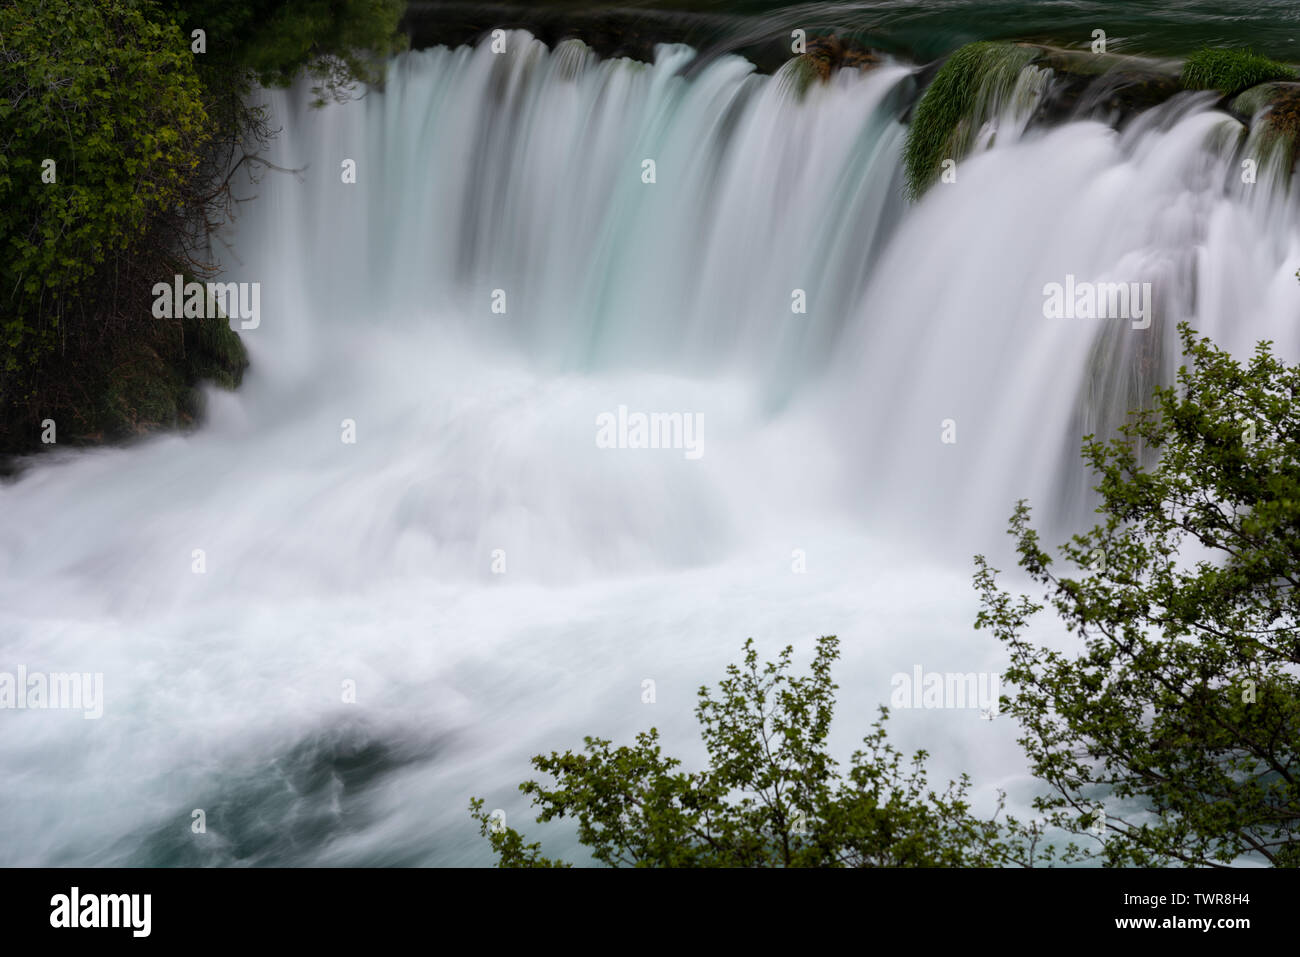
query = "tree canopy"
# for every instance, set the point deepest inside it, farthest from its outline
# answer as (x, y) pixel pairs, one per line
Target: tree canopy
(103, 123)
(121, 125)
(772, 795)
(1179, 716)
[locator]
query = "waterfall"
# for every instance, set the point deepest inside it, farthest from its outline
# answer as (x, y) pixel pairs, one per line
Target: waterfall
(487, 579)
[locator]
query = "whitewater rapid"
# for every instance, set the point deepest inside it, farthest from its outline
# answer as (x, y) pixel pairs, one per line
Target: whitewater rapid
(490, 582)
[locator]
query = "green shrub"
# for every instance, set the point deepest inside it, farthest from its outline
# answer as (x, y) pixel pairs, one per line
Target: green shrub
(772, 795)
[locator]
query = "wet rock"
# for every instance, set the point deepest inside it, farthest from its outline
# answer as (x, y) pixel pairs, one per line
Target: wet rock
(1281, 100)
(825, 55)
(1105, 86)
(1273, 112)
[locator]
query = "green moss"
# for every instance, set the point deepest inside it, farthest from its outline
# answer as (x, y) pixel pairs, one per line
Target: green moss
(150, 383)
(1273, 112)
(1281, 100)
(936, 131)
(798, 74)
(139, 395)
(1253, 100)
(129, 385)
(1231, 71)
(214, 352)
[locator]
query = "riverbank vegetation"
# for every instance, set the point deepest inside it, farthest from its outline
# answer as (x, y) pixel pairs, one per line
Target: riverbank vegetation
(1168, 732)
(122, 121)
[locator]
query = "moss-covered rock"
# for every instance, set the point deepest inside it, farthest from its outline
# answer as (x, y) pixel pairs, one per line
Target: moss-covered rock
(214, 353)
(1273, 112)
(142, 392)
(156, 385)
(127, 385)
(1116, 86)
(859, 59)
(1231, 71)
(825, 55)
(1280, 100)
(944, 120)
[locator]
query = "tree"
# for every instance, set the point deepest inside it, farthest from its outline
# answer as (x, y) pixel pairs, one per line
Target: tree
(335, 42)
(1179, 716)
(771, 796)
(120, 136)
(102, 124)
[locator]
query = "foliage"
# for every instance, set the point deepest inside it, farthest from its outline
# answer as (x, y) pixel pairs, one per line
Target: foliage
(772, 795)
(1231, 71)
(1180, 710)
(147, 134)
(336, 42)
(112, 98)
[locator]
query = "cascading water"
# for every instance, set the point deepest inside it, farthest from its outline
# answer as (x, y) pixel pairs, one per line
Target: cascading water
(491, 582)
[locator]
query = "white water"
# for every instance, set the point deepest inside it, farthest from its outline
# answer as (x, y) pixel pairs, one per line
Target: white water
(372, 562)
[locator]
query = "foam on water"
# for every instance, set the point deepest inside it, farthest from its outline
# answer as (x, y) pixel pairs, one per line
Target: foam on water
(372, 562)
